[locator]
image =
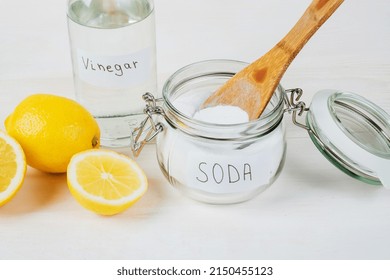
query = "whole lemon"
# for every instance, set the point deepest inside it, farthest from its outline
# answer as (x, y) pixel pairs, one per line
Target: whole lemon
(51, 129)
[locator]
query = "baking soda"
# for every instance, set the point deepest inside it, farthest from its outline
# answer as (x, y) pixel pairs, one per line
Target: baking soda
(215, 169)
(222, 114)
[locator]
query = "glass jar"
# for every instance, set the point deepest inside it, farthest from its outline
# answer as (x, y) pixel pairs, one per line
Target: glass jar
(211, 162)
(230, 163)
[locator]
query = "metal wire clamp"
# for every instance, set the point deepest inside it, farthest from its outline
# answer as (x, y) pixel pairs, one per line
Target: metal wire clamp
(148, 128)
(294, 106)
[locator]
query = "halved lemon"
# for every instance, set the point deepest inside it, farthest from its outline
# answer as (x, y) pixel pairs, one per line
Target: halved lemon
(12, 167)
(105, 181)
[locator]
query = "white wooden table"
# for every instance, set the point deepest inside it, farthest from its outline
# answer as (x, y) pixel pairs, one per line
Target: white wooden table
(313, 210)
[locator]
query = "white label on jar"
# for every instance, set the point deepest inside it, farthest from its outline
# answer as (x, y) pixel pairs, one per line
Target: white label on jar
(229, 174)
(119, 71)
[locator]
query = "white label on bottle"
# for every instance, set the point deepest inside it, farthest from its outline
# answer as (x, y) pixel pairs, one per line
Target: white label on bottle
(119, 71)
(229, 174)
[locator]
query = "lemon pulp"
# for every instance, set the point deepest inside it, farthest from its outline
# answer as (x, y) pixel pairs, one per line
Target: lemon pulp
(12, 167)
(104, 181)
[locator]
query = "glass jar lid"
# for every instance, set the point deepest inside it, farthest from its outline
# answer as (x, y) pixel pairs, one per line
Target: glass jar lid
(353, 133)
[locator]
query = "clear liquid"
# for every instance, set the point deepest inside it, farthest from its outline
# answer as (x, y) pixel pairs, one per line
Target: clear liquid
(114, 62)
(109, 14)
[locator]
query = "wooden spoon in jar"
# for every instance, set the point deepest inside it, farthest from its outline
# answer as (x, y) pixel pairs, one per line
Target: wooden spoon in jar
(252, 88)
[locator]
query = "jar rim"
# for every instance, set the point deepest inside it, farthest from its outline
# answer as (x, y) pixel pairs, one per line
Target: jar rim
(352, 133)
(215, 68)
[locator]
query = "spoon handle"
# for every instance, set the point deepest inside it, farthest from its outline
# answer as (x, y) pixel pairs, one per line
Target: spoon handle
(315, 15)
(268, 70)
(252, 88)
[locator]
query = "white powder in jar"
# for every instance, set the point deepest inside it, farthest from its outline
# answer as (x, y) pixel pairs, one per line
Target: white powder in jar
(222, 114)
(189, 105)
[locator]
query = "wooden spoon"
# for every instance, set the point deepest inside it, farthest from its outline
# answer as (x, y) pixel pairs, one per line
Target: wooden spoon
(252, 88)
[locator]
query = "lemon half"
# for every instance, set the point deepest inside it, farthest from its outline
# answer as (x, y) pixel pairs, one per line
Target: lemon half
(12, 167)
(105, 181)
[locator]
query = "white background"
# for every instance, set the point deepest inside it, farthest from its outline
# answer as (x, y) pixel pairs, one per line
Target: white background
(313, 210)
